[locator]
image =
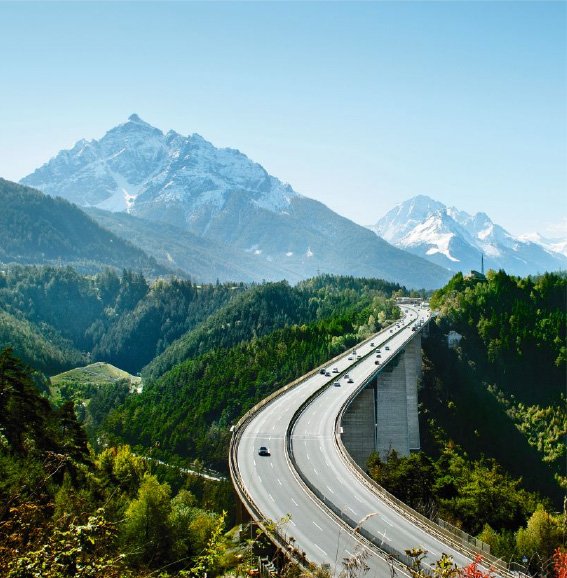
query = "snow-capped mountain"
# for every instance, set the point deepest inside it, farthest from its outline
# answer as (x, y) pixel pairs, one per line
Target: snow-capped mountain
(135, 164)
(458, 241)
(220, 194)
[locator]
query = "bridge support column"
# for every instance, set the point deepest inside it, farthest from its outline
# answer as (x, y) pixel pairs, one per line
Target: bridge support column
(359, 423)
(384, 416)
(412, 358)
(392, 408)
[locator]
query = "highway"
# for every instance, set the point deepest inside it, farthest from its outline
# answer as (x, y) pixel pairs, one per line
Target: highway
(277, 485)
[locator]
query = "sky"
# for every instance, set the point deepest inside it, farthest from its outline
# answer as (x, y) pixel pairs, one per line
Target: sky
(360, 105)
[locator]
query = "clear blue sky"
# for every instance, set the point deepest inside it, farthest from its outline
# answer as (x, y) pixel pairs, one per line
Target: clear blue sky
(359, 105)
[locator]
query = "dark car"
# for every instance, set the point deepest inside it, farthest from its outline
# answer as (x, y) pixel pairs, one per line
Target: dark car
(350, 380)
(263, 451)
(337, 384)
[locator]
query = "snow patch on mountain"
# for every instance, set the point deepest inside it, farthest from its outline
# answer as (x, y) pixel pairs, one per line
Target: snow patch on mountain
(553, 245)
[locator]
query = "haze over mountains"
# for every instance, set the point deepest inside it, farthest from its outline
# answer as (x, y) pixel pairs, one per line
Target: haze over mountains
(222, 196)
(456, 240)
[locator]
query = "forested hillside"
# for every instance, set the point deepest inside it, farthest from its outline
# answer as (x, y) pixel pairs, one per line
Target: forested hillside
(53, 314)
(493, 418)
(207, 352)
(511, 362)
(37, 229)
(265, 338)
(66, 512)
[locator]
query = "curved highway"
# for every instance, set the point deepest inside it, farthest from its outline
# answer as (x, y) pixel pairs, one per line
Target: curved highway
(279, 490)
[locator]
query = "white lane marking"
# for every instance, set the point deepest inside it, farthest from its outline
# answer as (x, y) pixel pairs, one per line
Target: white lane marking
(330, 490)
(357, 499)
(271, 497)
(315, 524)
(272, 465)
(259, 479)
(349, 553)
(293, 523)
(316, 472)
(387, 521)
(280, 482)
(307, 455)
(349, 508)
(254, 462)
(294, 502)
(321, 549)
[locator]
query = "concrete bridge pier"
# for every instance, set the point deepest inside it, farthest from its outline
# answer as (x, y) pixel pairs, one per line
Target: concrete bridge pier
(384, 416)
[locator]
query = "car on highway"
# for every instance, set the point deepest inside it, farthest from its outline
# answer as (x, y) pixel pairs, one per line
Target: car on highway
(372, 344)
(322, 371)
(350, 380)
(377, 362)
(335, 370)
(387, 348)
(337, 384)
(350, 357)
(263, 451)
(327, 374)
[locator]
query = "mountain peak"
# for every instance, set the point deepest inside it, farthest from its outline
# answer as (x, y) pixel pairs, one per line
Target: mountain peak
(135, 118)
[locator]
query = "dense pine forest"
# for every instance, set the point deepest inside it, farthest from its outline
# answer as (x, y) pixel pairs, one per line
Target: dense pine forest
(82, 501)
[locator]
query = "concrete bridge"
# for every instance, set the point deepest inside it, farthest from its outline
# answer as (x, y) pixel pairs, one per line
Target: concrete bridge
(319, 430)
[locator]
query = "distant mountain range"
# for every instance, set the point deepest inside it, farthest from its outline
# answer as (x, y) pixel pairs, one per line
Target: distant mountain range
(458, 241)
(221, 196)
